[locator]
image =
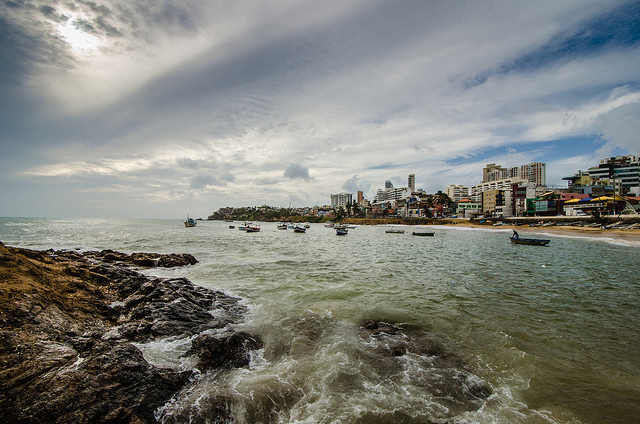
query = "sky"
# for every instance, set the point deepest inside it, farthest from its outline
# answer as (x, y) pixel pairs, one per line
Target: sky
(159, 109)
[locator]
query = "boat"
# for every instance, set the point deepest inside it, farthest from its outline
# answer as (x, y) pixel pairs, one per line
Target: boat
(394, 231)
(190, 222)
(299, 229)
(341, 229)
(282, 226)
(329, 225)
(424, 233)
(529, 241)
(232, 227)
(252, 228)
(350, 226)
(307, 226)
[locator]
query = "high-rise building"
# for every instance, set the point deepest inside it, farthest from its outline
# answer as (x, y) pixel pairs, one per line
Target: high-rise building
(457, 192)
(341, 200)
(411, 183)
(388, 184)
(535, 172)
(360, 197)
(493, 172)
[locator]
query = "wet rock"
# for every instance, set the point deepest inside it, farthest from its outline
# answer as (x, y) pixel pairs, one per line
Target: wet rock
(435, 368)
(145, 260)
(67, 323)
(227, 350)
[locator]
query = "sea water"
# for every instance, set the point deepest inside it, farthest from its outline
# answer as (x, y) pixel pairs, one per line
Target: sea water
(552, 331)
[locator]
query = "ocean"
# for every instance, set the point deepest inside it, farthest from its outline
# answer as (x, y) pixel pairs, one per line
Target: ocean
(550, 332)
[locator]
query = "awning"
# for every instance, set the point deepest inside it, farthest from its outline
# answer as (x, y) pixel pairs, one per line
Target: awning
(572, 201)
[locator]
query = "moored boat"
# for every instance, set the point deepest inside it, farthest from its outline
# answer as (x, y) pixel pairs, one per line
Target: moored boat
(394, 231)
(252, 228)
(299, 229)
(282, 226)
(529, 241)
(190, 222)
(423, 233)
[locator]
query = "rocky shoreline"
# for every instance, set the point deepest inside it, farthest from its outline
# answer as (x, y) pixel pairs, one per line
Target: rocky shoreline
(68, 324)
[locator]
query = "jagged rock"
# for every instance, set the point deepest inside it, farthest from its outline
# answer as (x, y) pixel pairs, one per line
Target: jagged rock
(67, 321)
(145, 260)
(227, 350)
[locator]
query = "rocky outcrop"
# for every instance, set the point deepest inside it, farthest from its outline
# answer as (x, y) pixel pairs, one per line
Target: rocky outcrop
(444, 374)
(67, 323)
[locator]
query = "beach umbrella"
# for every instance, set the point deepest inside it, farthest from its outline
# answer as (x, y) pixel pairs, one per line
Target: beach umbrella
(572, 201)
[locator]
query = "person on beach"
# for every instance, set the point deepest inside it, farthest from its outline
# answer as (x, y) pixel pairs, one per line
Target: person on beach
(515, 235)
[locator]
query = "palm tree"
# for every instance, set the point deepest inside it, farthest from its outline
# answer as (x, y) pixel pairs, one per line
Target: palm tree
(348, 206)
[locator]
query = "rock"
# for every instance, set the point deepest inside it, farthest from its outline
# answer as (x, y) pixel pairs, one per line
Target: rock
(227, 350)
(67, 323)
(436, 368)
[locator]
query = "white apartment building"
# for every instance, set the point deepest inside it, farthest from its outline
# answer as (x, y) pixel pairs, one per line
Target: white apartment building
(457, 192)
(505, 184)
(341, 200)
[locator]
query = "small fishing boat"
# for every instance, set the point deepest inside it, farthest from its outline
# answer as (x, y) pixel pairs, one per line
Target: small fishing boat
(232, 227)
(425, 233)
(252, 228)
(299, 229)
(341, 231)
(329, 225)
(190, 222)
(529, 241)
(394, 231)
(282, 226)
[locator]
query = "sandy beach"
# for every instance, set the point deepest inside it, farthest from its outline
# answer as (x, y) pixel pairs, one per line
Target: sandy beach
(575, 231)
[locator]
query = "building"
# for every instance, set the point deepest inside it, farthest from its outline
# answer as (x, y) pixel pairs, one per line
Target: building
(622, 169)
(360, 198)
(535, 172)
(390, 193)
(457, 192)
(497, 202)
(341, 200)
(411, 183)
(468, 208)
(477, 190)
(493, 172)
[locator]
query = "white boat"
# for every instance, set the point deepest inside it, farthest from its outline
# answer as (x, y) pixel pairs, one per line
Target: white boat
(394, 231)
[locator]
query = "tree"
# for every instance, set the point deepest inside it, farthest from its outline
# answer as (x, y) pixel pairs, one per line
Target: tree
(427, 205)
(348, 206)
(444, 200)
(339, 214)
(356, 209)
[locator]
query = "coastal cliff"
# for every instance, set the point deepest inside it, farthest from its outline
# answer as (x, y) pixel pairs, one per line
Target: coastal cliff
(68, 322)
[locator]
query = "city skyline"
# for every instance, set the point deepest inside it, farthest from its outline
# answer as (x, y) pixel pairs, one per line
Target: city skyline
(134, 109)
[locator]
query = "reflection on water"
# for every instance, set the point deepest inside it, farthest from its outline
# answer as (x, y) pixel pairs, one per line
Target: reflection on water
(485, 331)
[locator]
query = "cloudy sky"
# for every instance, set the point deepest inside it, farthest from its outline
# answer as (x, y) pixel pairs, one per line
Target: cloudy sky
(159, 108)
